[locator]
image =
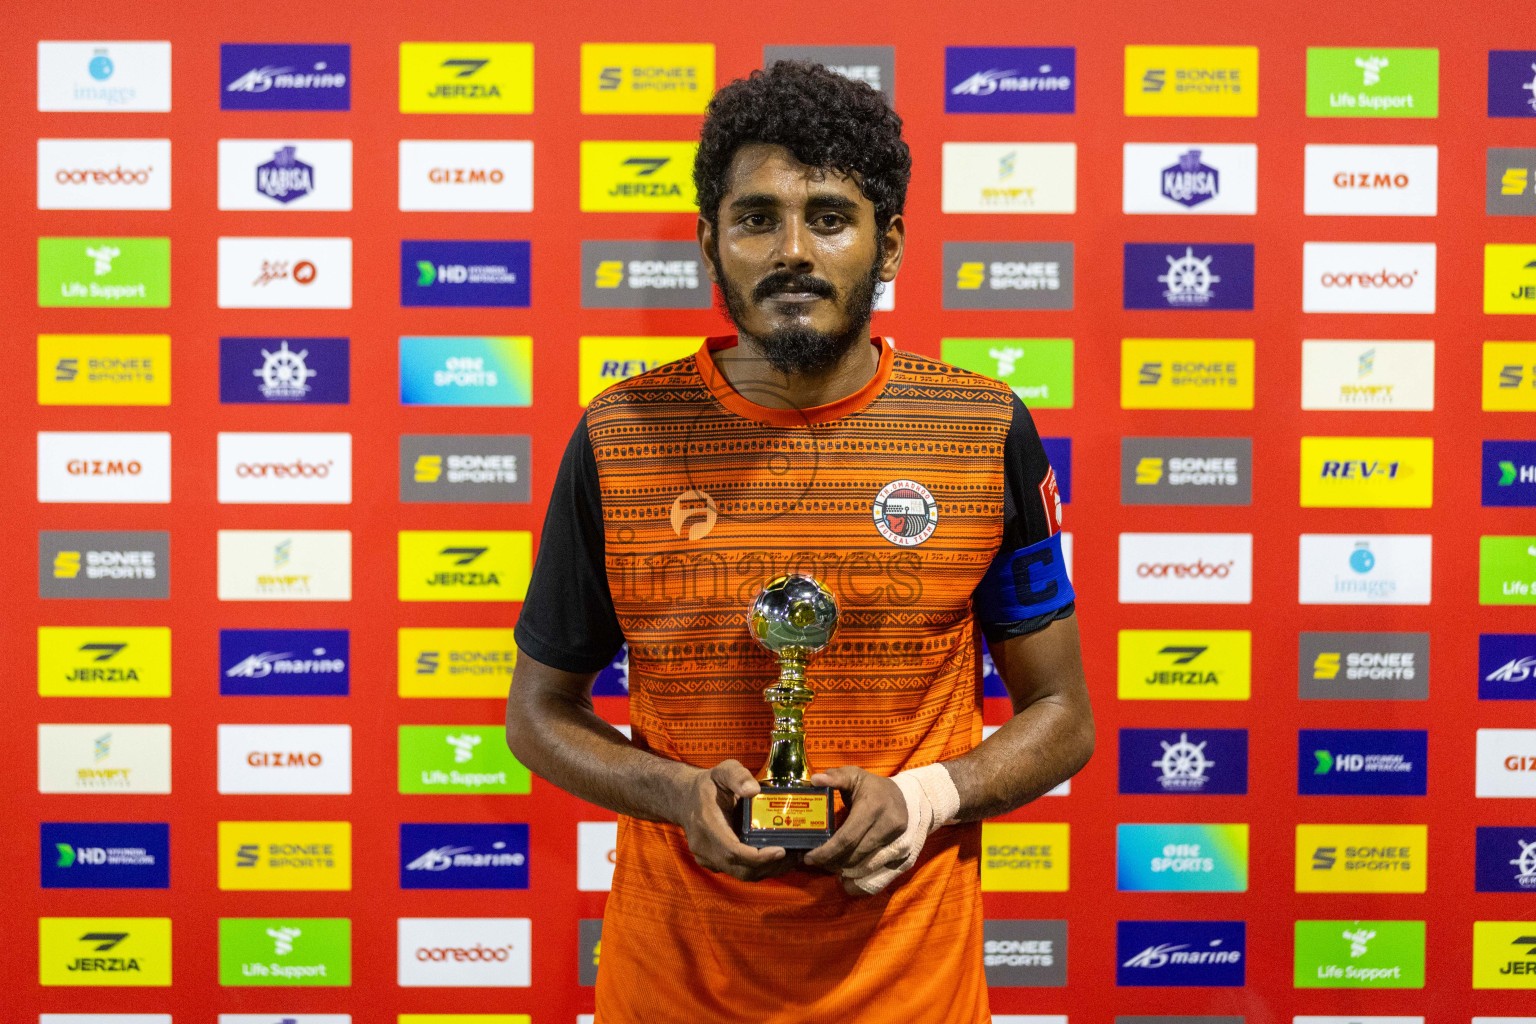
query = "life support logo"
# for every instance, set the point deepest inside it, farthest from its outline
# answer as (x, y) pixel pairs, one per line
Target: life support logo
(905, 513)
(691, 504)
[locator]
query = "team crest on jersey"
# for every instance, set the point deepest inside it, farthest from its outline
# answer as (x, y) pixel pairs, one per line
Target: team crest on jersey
(905, 513)
(1050, 497)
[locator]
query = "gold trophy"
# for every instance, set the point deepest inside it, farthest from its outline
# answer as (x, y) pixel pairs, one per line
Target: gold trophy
(794, 616)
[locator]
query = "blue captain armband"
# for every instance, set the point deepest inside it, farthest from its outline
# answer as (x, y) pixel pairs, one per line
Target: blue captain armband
(1024, 584)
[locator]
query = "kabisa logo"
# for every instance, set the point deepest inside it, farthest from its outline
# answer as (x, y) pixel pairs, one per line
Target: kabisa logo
(646, 78)
(623, 177)
(1359, 954)
(1504, 956)
(1506, 666)
(484, 371)
(285, 759)
(455, 662)
(1010, 79)
(1192, 81)
(105, 855)
(1509, 473)
(1191, 182)
(1361, 858)
(1184, 664)
(1506, 859)
(310, 951)
(1511, 182)
(104, 76)
(103, 759)
(1180, 953)
(284, 662)
(643, 275)
(285, 177)
(103, 174)
(1506, 763)
(290, 175)
(1362, 762)
(1184, 761)
(103, 564)
(466, 565)
(444, 856)
(1008, 275)
(104, 272)
(1373, 569)
(1160, 276)
(464, 467)
(103, 661)
(284, 371)
(458, 759)
(1368, 277)
(1024, 953)
(466, 78)
(1364, 666)
(1190, 178)
(464, 273)
(1349, 82)
(101, 951)
(264, 856)
(608, 360)
(905, 512)
(1511, 83)
(875, 66)
(104, 369)
(464, 952)
(285, 76)
(1509, 279)
(1181, 858)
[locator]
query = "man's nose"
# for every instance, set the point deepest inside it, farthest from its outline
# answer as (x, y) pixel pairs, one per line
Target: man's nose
(794, 245)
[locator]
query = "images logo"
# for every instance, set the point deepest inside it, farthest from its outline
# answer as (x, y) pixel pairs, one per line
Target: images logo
(455, 662)
(458, 759)
(285, 76)
(1368, 277)
(285, 273)
(1367, 472)
(464, 273)
(285, 855)
(1361, 858)
(464, 467)
(646, 78)
(1008, 275)
(643, 275)
(105, 76)
(1364, 569)
(265, 951)
(1186, 470)
(466, 78)
(1506, 666)
(1024, 953)
(99, 951)
(1192, 81)
(1038, 369)
(1348, 82)
(440, 856)
(464, 952)
(637, 177)
(103, 174)
(103, 369)
(1010, 177)
(1184, 761)
(285, 174)
(1165, 664)
(1509, 376)
(875, 66)
(1010, 79)
(1503, 954)
(1364, 666)
(1025, 857)
(446, 565)
(607, 360)
(103, 661)
(1181, 858)
(103, 759)
(1180, 953)
(282, 371)
(1506, 569)
(1161, 276)
(1178, 373)
(478, 175)
(283, 469)
(1196, 177)
(111, 272)
(1186, 568)
(98, 468)
(1368, 376)
(1391, 181)
(284, 662)
(285, 565)
(485, 371)
(1509, 279)
(105, 855)
(1506, 762)
(285, 759)
(1359, 954)
(1362, 762)
(100, 564)
(1511, 182)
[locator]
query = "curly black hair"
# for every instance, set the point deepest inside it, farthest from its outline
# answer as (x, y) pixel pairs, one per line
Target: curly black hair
(824, 119)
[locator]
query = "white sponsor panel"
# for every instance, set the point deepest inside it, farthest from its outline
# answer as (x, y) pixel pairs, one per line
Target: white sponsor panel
(1506, 762)
(1358, 1019)
(285, 565)
(105, 75)
(298, 469)
(285, 273)
(1352, 568)
(1066, 553)
(470, 176)
(87, 466)
(1029, 1018)
(1010, 177)
(886, 303)
(285, 759)
(104, 758)
(1065, 789)
(464, 952)
(129, 1018)
(1381, 181)
(1504, 1020)
(285, 174)
(1186, 568)
(103, 174)
(1166, 178)
(1368, 277)
(1366, 375)
(596, 843)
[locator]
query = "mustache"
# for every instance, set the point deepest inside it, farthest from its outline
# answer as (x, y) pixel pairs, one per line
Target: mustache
(784, 281)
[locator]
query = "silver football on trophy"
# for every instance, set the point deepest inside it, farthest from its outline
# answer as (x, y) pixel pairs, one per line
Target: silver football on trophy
(794, 611)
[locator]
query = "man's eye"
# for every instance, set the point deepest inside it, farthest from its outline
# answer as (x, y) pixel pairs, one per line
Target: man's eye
(830, 220)
(755, 220)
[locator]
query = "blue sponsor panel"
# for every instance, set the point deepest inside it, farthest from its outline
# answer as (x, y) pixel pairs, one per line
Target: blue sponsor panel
(1188, 275)
(105, 855)
(1506, 666)
(1362, 762)
(991, 682)
(1184, 761)
(1010, 79)
(464, 273)
(613, 681)
(1506, 859)
(455, 856)
(285, 76)
(1058, 451)
(284, 662)
(285, 371)
(1509, 473)
(1512, 83)
(1199, 954)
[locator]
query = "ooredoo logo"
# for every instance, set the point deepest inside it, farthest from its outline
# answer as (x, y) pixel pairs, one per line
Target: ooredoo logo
(1368, 277)
(1186, 568)
(464, 952)
(103, 174)
(304, 469)
(1197, 569)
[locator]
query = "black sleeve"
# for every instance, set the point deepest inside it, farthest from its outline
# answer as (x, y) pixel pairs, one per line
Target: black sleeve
(568, 621)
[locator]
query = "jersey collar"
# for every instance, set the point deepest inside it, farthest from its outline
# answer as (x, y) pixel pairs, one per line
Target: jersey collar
(742, 406)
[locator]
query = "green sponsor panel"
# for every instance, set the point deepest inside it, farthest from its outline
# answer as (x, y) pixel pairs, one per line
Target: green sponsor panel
(104, 272)
(1038, 369)
(1506, 570)
(458, 759)
(285, 951)
(1349, 81)
(1359, 954)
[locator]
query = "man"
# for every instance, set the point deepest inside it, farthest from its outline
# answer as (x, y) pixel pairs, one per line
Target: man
(917, 492)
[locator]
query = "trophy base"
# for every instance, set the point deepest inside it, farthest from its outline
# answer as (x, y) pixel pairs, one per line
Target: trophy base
(794, 817)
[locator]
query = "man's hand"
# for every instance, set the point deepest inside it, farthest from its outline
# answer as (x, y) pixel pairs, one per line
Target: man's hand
(877, 816)
(706, 820)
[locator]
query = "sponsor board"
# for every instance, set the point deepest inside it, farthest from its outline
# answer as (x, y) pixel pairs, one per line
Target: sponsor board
(1506, 570)
(105, 855)
(79, 75)
(1191, 276)
(103, 174)
(466, 370)
(285, 273)
(464, 467)
(1363, 666)
(104, 272)
(269, 856)
(1186, 471)
(1509, 473)
(443, 856)
(1506, 859)
(285, 759)
(285, 76)
(302, 1018)
(466, 175)
(1380, 181)
(466, 78)
(1122, 1019)
(1195, 177)
(1359, 954)
(1506, 762)
(285, 565)
(478, 274)
(605, 361)
(1024, 953)
(1181, 953)
(1025, 856)
(1010, 177)
(1184, 762)
(1368, 277)
(1347, 81)
(458, 1018)
(104, 758)
(1192, 81)
(1361, 858)
(1058, 453)
(1181, 858)
(1506, 666)
(638, 177)
(100, 468)
(613, 680)
(1368, 375)
(464, 565)
(1186, 373)
(104, 564)
(458, 759)
(589, 950)
(1381, 568)
(1184, 664)
(596, 848)
(285, 371)
(1008, 275)
(284, 662)
(455, 662)
(285, 469)
(103, 369)
(1367, 472)
(644, 275)
(1040, 370)
(875, 66)
(1010, 79)
(104, 951)
(285, 174)
(1512, 83)
(1509, 279)
(1186, 568)
(464, 952)
(267, 951)
(646, 78)
(103, 661)
(1509, 376)
(141, 1018)
(1503, 954)
(1511, 184)
(1362, 762)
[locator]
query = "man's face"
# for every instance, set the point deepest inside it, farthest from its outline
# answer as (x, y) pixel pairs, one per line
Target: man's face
(798, 258)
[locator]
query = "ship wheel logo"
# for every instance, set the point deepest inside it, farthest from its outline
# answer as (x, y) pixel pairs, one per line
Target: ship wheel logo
(284, 373)
(1183, 764)
(1526, 864)
(1189, 279)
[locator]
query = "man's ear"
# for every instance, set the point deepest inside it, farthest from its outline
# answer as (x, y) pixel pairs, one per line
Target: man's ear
(707, 244)
(895, 247)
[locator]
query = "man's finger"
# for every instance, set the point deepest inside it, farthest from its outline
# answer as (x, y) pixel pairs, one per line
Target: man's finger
(845, 780)
(873, 842)
(831, 853)
(887, 856)
(733, 777)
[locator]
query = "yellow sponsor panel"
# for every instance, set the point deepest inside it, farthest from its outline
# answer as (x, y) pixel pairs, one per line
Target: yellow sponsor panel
(1185, 664)
(607, 360)
(1504, 954)
(1361, 858)
(1509, 279)
(1509, 376)
(1367, 472)
(285, 855)
(464, 1018)
(465, 565)
(1192, 81)
(129, 951)
(1025, 856)
(103, 661)
(646, 78)
(1186, 373)
(466, 78)
(646, 177)
(103, 369)
(455, 662)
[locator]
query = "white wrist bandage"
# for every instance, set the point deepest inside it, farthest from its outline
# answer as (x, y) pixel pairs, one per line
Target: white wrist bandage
(932, 801)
